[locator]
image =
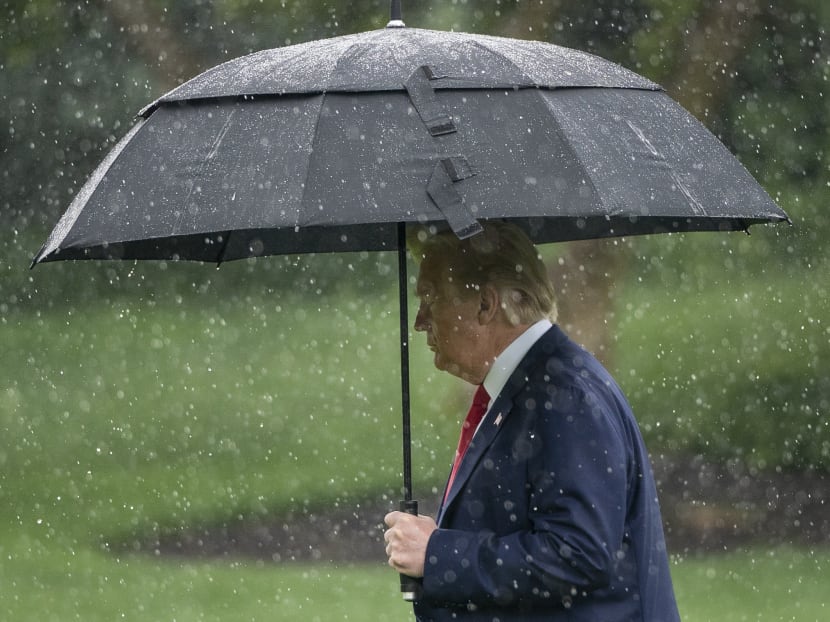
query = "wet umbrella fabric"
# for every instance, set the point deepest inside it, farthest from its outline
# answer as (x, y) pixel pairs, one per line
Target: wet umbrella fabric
(328, 145)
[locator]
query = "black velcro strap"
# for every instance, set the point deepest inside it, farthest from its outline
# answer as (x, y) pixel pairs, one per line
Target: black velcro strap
(443, 193)
(423, 99)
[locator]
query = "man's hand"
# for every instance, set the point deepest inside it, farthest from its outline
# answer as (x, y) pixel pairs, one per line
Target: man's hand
(406, 541)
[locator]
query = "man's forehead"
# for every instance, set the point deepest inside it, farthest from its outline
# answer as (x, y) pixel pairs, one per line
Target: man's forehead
(436, 276)
(432, 274)
(429, 276)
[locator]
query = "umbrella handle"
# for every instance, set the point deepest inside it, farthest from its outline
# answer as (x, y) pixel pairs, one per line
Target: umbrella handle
(410, 587)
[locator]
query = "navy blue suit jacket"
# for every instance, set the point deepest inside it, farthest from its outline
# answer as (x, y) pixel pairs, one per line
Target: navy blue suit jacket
(553, 513)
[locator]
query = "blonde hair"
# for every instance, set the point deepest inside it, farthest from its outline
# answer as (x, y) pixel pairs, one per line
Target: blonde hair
(501, 256)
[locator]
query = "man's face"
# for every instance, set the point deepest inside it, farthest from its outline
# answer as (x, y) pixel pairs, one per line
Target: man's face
(450, 321)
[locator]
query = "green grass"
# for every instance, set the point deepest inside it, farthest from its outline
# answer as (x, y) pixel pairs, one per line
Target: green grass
(42, 581)
(46, 579)
(759, 585)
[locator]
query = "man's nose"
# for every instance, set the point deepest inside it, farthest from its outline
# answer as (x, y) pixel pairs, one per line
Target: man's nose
(420, 319)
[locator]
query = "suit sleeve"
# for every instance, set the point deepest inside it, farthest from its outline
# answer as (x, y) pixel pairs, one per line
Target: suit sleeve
(575, 456)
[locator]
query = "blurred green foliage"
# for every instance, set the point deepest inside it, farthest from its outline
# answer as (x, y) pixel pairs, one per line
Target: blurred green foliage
(729, 361)
(725, 359)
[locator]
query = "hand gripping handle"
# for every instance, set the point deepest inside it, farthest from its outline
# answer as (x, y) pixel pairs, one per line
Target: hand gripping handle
(410, 587)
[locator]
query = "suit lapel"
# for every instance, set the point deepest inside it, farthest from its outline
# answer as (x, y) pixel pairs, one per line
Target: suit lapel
(498, 413)
(484, 437)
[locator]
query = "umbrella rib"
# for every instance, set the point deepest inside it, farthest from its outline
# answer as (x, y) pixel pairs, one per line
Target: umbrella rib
(556, 123)
(220, 256)
(321, 98)
(487, 48)
(567, 143)
(74, 210)
(312, 149)
(214, 149)
(655, 153)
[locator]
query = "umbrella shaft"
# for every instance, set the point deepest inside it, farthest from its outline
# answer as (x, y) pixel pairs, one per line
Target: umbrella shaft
(405, 422)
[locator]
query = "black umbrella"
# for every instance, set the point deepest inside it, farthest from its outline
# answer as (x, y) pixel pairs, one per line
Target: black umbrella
(328, 145)
(338, 144)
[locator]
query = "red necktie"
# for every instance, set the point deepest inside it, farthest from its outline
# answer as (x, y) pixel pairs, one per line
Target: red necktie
(468, 428)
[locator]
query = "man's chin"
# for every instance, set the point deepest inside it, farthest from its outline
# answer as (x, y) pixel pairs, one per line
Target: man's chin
(442, 364)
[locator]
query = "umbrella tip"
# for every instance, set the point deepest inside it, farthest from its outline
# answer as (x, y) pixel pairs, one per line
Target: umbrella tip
(396, 20)
(36, 259)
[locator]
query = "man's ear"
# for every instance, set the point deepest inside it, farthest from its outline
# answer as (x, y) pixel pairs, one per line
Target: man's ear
(490, 304)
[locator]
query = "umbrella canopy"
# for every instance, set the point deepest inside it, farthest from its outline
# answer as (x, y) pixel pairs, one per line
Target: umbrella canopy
(329, 145)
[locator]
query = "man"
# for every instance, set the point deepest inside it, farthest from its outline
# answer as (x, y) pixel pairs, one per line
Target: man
(551, 511)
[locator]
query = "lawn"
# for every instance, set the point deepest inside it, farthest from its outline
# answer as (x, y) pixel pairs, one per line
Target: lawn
(47, 579)
(761, 585)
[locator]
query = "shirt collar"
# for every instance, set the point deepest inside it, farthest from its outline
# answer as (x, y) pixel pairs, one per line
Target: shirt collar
(507, 362)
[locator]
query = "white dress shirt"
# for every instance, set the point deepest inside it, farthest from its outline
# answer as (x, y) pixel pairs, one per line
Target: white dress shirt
(507, 362)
